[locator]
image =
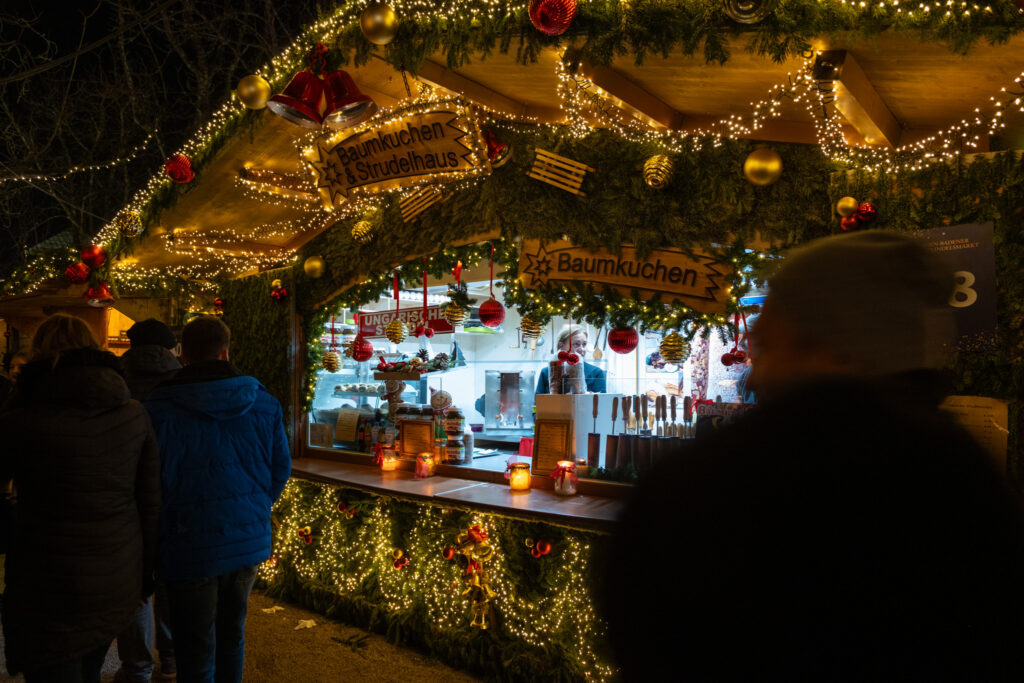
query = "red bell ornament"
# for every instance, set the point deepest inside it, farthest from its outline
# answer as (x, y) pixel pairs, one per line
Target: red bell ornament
(849, 223)
(492, 313)
(498, 153)
(361, 349)
(300, 100)
(552, 17)
(623, 339)
(77, 273)
(179, 169)
(346, 105)
(866, 212)
(94, 256)
(98, 296)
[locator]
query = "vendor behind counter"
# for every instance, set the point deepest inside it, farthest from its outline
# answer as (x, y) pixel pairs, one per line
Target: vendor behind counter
(574, 340)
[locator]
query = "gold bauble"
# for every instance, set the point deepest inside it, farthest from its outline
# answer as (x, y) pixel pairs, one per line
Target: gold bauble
(674, 348)
(314, 266)
(531, 327)
(658, 171)
(748, 11)
(331, 361)
(763, 166)
(253, 92)
(846, 206)
(276, 284)
(362, 231)
(379, 23)
(396, 331)
(455, 314)
(129, 224)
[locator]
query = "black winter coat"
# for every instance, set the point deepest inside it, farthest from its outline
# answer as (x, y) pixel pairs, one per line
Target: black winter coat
(146, 366)
(86, 466)
(843, 532)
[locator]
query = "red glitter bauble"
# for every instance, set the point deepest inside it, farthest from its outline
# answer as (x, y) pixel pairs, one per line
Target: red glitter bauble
(552, 17)
(866, 212)
(94, 256)
(739, 356)
(572, 359)
(728, 359)
(179, 169)
(543, 547)
(849, 223)
(536, 553)
(361, 350)
(77, 273)
(623, 340)
(448, 553)
(563, 356)
(492, 313)
(429, 332)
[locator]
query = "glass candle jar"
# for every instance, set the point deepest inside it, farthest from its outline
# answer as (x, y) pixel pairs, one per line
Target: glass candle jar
(519, 476)
(425, 465)
(389, 461)
(565, 478)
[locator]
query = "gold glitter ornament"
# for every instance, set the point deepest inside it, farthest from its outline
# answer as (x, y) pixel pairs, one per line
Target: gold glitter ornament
(674, 349)
(531, 327)
(331, 361)
(379, 23)
(253, 92)
(455, 314)
(847, 206)
(314, 267)
(362, 232)
(763, 166)
(396, 331)
(658, 171)
(129, 224)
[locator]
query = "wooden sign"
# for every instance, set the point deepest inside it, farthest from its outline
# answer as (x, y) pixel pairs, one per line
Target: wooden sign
(372, 324)
(415, 437)
(696, 280)
(434, 143)
(563, 173)
(552, 441)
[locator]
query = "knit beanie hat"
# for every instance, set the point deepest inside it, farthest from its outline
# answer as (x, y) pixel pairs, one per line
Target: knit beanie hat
(878, 300)
(152, 331)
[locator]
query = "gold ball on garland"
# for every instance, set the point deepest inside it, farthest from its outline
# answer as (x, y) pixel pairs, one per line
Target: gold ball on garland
(315, 266)
(455, 314)
(763, 166)
(362, 232)
(531, 327)
(379, 23)
(129, 224)
(397, 553)
(846, 206)
(331, 361)
(276, 284)
(674, 348)
(748, 11)
(396, 331)
(253, 92)
(658, 171)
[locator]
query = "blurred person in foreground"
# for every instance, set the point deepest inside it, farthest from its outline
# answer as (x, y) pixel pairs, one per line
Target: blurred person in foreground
(152, 359)
(844, 530)
(225, 461)
(86, 468)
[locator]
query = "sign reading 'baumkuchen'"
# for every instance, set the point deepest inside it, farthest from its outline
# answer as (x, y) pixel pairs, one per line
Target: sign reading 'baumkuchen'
(696, 280)
(439, 144)
(372, 324)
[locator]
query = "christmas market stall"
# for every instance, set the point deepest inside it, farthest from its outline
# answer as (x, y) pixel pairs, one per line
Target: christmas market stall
(498, 259)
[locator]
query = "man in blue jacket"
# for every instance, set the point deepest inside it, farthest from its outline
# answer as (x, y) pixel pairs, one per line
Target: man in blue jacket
(225, 461)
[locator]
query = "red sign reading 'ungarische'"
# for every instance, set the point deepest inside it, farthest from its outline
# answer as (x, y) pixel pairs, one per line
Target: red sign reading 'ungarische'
(373, 323)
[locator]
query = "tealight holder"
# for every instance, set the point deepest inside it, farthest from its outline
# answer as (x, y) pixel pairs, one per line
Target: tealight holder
(565, 478)
(519, 476)
(425, 466)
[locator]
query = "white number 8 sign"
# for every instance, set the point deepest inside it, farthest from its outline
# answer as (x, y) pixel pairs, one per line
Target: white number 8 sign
(963, 295)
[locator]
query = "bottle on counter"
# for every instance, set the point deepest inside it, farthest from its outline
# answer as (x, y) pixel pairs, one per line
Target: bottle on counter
(467, 446)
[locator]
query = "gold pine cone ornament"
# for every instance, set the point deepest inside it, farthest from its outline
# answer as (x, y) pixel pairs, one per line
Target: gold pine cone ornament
(396, 331)
(331, 361)
(362, 232)
(455, 314)
(531, 327)
(658, 171)
(674, 349)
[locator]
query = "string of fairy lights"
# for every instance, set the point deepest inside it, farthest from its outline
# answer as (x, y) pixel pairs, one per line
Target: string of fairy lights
(348, 553)
(87, 168)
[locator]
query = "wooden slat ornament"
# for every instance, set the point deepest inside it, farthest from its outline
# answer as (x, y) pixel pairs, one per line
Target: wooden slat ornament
(561, 172)
(415, 203)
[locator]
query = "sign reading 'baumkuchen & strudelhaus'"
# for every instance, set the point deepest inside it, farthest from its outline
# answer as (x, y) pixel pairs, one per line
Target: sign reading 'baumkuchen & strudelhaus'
(696, 279)
(437, 143)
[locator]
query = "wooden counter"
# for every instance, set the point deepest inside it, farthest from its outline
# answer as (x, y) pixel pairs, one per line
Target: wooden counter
(579, 512)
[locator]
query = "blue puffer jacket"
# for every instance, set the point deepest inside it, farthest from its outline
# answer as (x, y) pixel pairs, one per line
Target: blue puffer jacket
(225, 461)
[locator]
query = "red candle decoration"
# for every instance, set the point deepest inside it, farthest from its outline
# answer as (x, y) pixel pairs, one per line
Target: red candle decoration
(179, 169)
(623, 340)
(94, 256)
(552, 17)
(361, 349)
(492, 313)
(77, 273)
(866, 212)
(849, 223)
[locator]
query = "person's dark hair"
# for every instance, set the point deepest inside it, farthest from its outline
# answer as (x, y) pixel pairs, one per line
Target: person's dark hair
(61, 332)
(204, 338)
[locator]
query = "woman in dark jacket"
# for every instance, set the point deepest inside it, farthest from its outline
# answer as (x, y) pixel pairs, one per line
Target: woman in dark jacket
(86, 467)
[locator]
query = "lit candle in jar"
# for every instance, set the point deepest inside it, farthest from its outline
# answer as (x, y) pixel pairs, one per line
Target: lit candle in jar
(565, 478)
(425, 465)
(519, 476)
(389, 462)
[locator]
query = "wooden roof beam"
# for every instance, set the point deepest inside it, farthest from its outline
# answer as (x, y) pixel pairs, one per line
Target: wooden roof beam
(630, 96)
(857, 100)
(441, 77)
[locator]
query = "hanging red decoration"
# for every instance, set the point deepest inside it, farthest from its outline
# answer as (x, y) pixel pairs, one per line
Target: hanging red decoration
(77, 273)
(361, 349)
(543, 547)
(94, 256)
(563, 356)
(401, 563)
(552, 17)
(448, 553)
(572, 359)
(727, 359)
(179, 169)
(218, 306)
(498, 153)
(492, 312)
(98, 296)
(849, 223)
(278, 292)
(623, 339)
(866, 212)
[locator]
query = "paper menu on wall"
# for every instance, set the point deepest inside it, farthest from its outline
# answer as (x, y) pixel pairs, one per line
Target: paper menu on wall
(416, 436)
(321, 435)
(347, 426)
(986, 419)
(550, 444)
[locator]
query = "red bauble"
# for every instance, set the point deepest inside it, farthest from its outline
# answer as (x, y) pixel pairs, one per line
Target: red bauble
(563, 356)
(179, 169)
(866, 212)
(623, 340)
(739, 357)
(448, 553)
(94, 256)
(728, 359)
(850, 223)
(543, 547)
(552, 17)
(401, 562)
(572, 359)
(98, 296)
(536, 553)
(429, 331)
(492, 313)
(361, 349)
(77, 273)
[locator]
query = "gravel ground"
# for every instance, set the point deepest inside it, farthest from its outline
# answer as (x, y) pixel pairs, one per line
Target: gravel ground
(276, 651)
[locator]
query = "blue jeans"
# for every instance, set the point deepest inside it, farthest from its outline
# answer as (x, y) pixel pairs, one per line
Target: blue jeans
(135, 643)
(208, 625)
(84, 669)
